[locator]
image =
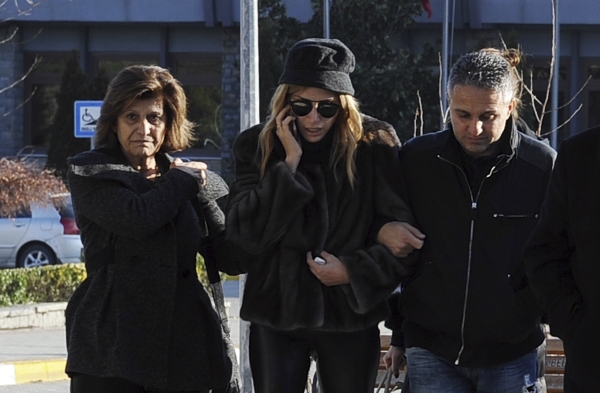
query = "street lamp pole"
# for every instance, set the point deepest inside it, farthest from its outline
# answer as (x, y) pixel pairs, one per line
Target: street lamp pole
(555, 77)
(326, 18)
(249, 116)
(445, 59)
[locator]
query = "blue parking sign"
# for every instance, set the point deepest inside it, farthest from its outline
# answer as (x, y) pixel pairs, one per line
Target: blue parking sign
(86, 117)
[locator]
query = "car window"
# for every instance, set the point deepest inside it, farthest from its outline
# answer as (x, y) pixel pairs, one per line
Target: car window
(66, 208)
(23, 213)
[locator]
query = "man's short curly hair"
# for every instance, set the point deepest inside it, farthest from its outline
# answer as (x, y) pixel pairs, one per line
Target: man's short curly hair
(488, 68)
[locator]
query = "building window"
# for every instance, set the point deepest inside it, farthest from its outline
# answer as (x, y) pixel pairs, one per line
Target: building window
(204, 109)
(201, 76)
(112, 64)
(41, 91)
(199, 73)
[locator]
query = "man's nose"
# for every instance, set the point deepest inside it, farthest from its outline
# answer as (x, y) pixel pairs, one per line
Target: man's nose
(477, 127)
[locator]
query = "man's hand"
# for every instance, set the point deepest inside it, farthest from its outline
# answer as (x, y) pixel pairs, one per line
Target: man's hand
(394, 359)
(194, 168)
(400, 238)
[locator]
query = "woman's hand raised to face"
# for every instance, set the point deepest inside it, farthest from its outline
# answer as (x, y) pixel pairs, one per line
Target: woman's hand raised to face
(194, 168)
(287, 134)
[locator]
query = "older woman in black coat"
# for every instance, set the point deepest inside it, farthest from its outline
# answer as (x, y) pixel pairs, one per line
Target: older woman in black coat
(141, 321)
(313, 186)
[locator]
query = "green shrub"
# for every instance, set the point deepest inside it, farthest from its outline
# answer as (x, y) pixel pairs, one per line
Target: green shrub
(40, 285)
(201, 270)
(54, 283)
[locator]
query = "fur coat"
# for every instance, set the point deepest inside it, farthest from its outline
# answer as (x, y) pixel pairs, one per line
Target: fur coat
(280, 217)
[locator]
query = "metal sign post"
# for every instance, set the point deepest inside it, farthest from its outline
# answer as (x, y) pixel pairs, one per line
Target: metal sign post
(249, 116)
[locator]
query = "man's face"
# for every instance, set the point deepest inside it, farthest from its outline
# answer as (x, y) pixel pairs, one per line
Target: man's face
(478, 118)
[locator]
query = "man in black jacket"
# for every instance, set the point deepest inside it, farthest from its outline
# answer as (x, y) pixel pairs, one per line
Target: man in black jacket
(472, 323)
(562, 258)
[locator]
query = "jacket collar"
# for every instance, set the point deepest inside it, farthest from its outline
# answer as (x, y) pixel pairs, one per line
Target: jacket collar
(452, 150)
(109, 162)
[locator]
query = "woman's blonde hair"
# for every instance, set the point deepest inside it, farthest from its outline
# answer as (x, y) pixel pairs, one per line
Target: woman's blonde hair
(140, 82)
(348, 130)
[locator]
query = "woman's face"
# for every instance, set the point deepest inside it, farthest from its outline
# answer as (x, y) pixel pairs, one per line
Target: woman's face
(314, 126)
(141, 129)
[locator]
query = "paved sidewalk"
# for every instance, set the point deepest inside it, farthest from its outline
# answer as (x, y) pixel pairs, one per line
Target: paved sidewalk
(28, 355)
(39, 354)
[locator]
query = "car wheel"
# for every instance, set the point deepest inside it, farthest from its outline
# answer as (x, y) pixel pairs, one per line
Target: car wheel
(36, 255)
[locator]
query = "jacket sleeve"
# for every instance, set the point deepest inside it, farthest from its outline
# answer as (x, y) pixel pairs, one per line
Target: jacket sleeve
(374, 272)
(125, 212)
(548, 254)
(390, 205)
(259, 211)
(228, 257)
(396, 318)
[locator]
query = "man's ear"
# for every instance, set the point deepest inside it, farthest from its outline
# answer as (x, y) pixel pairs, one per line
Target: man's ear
(512, 106)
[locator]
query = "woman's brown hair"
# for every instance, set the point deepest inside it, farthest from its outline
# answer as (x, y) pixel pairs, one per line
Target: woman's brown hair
(145, 82)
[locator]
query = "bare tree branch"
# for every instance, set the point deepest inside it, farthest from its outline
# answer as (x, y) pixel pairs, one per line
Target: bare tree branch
(576, 94)
(566, 121)
(12, 35)
(418, 116)
(31, 4)
(22, 103)
(33, 37)
(23, 77)
(443, 113)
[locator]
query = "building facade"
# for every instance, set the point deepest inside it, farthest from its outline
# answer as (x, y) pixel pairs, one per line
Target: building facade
(528, 23)
(198, 40)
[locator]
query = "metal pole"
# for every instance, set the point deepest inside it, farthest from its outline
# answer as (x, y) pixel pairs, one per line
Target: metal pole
(555, 79)
(325, 18)
(249, 116)
(445, 56)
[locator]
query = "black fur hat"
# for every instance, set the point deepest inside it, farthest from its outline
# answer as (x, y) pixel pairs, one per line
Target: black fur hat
(319, 62)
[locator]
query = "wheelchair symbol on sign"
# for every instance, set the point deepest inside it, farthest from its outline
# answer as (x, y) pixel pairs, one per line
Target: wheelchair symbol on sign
(88, 119)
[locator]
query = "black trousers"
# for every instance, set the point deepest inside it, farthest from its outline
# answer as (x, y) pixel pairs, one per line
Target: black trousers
(82, 383)
(346, 362)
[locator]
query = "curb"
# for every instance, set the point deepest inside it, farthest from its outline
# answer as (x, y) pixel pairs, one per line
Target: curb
(32, 371)
(40, 315)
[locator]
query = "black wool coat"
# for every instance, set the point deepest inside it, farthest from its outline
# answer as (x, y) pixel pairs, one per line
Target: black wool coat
(562, 258)
(141, 314)
(281, 217)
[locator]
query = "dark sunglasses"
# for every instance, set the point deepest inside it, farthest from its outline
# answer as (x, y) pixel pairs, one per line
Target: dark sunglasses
(302, 107)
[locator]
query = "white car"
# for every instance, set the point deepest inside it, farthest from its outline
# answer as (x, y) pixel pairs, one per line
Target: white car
(40, 236)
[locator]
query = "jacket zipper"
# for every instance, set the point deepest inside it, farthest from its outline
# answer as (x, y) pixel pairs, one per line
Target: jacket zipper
(474, 201)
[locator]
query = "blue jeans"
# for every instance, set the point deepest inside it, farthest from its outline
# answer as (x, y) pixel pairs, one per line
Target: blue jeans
(429, 373)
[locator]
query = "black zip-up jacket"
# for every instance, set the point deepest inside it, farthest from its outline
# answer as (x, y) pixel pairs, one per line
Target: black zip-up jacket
(468, 300)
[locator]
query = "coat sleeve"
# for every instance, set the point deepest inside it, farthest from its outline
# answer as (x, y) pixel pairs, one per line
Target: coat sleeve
(549, 251)
(121, 210)
(374, 272)
(228, 257)
(259, 211)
